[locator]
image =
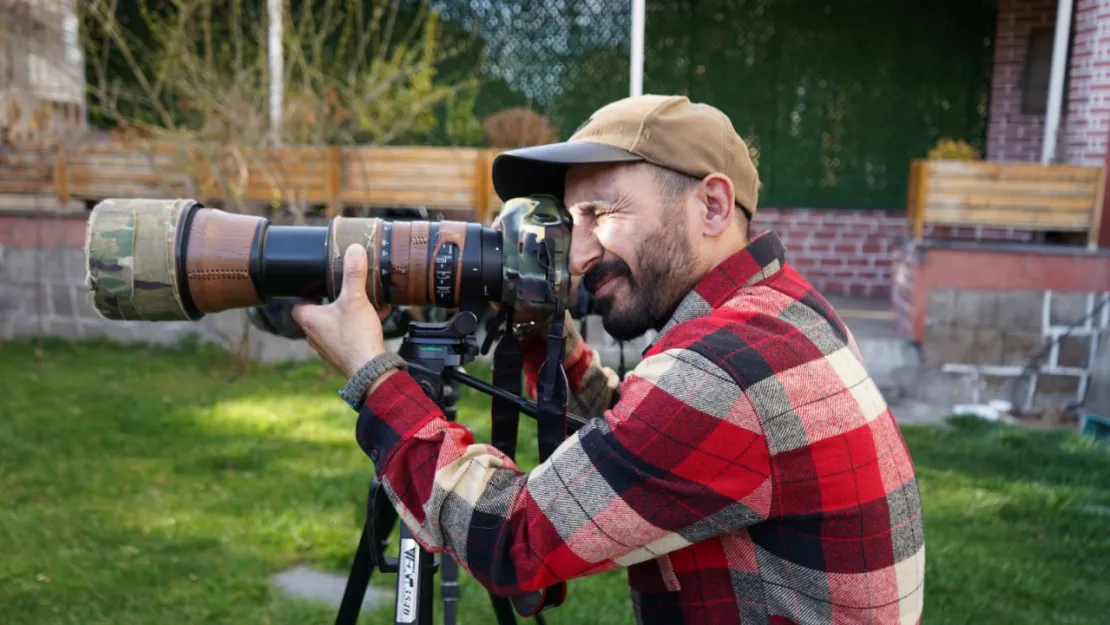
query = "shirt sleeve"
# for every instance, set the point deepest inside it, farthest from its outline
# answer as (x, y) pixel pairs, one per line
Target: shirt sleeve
(678, 459)
(593, 387)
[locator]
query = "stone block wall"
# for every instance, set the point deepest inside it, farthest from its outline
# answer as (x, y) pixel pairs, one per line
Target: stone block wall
(1003, 322)
(44, 293)
(1035, 346)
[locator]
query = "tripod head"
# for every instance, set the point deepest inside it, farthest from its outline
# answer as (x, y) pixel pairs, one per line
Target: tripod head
(434, 350)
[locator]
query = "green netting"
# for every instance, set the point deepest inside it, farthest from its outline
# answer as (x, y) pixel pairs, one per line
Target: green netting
(835, 97)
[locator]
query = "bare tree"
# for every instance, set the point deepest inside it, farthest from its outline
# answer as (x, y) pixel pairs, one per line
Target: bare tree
(195, 74)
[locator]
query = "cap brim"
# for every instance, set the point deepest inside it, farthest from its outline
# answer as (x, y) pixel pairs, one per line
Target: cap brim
(541, 169)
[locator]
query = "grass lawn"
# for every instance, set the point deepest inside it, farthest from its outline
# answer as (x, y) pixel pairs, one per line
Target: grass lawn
(140, 486)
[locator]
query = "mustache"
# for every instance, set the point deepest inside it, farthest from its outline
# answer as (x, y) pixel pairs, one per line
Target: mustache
(615, 268)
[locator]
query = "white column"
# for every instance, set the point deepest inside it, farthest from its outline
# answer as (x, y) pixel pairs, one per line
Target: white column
(636, 70)
(1056, 81)
(275, 14)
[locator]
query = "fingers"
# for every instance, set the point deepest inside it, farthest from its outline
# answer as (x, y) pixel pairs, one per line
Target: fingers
(302, 313)
(384, 312)
(354, 273)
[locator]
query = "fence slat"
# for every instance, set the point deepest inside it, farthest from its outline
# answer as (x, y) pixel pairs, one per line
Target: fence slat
(447, 179)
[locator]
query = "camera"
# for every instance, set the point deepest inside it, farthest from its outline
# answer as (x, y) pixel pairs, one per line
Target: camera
(178, 260)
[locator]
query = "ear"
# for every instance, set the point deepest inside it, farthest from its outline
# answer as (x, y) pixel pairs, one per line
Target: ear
(718, 205)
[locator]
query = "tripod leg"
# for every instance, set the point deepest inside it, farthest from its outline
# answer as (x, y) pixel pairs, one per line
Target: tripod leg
(380, 519)
(358, 581)
(415, 591)
(449, 589)
(503, 610)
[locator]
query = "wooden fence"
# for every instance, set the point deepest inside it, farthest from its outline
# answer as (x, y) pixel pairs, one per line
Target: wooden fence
(1026, 196)
(438, 179)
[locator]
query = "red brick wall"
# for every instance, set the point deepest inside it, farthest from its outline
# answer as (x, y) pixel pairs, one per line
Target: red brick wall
(1088, 98)
(1012, 136)
(842, 252)
(852, 252)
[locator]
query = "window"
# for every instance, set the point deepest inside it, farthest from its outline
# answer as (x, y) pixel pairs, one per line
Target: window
(1037, 72)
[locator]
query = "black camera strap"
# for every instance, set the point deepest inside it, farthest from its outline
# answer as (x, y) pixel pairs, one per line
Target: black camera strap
(508, 364)
(552, 391)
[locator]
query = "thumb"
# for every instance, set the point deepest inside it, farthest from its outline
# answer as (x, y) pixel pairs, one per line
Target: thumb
(354, 273)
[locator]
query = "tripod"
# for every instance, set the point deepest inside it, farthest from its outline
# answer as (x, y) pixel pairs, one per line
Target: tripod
(434, 352)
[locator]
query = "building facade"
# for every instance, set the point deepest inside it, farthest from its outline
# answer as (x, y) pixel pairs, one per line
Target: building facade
(42, 83)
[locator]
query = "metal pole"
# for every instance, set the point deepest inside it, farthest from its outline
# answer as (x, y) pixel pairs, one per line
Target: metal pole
(636, 71)
(275, 15)
(1056, 81)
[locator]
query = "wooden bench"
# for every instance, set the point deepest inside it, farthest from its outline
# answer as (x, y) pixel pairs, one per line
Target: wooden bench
(1023, 196)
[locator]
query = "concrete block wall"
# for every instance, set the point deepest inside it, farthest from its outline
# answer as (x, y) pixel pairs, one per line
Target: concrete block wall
(44, 293)
(987, 337)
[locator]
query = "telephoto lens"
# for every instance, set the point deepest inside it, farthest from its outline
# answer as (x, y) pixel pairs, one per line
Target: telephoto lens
(177, 260)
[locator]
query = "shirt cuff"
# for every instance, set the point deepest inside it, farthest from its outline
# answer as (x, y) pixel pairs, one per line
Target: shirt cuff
(392, 413)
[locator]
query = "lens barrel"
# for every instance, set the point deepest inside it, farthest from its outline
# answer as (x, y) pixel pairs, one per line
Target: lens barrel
(176, 260)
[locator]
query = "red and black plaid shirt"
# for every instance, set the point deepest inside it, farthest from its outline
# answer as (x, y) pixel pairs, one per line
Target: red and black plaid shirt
(747, 471)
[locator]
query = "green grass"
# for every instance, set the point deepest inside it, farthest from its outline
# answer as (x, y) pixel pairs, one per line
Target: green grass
(141, 486)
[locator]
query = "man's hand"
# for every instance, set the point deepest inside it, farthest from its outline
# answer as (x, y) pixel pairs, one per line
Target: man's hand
(347, 332)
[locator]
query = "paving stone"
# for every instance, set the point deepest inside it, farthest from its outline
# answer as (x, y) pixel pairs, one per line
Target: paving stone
(309, 584)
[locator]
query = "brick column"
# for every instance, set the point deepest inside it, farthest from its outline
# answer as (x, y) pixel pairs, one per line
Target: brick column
(1012, 136)
(1088, 99)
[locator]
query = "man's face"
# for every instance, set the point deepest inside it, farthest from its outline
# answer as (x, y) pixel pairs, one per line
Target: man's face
(630, 245)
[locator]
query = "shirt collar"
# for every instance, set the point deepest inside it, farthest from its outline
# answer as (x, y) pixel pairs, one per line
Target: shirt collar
(759, 260)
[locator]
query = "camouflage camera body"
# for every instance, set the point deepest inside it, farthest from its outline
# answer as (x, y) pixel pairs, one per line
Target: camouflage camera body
(529, 225)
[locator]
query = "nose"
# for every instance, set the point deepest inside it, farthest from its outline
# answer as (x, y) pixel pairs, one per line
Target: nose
(585, 250)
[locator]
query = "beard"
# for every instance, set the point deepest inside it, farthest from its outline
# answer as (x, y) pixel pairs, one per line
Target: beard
(667, 273)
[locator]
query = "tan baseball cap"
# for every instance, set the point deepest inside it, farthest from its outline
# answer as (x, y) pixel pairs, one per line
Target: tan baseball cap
(668, 131)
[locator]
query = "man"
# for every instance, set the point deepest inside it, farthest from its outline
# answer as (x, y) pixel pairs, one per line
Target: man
(746, 471)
